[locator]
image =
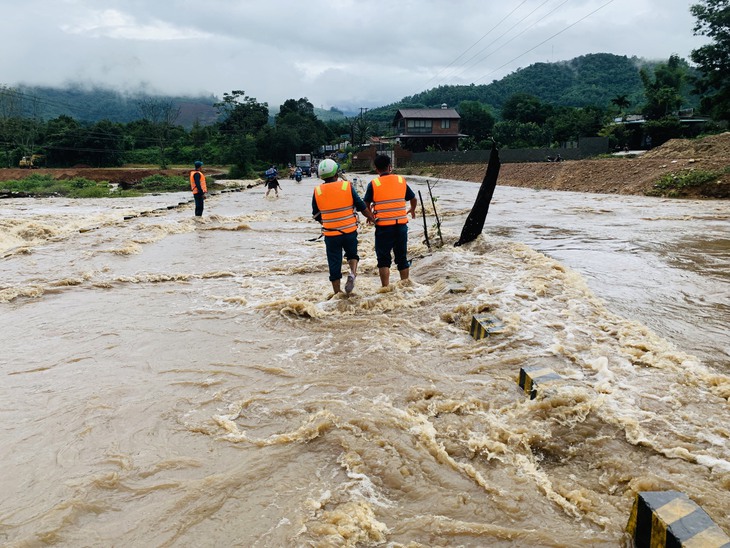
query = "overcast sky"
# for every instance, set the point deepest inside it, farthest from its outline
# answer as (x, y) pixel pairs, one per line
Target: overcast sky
(341, 53)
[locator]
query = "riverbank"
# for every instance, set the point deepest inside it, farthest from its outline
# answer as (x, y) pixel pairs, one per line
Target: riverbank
(680, 168)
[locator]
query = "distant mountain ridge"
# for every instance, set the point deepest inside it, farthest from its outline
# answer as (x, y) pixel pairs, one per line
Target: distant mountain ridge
(593, 79)
(95, 103)
(92, 104)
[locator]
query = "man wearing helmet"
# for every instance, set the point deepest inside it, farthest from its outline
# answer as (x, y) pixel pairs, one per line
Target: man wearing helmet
(197, 185)
(387, 195)
(333, 205)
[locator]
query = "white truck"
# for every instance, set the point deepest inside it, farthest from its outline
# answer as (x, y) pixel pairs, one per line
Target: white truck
(304, 161)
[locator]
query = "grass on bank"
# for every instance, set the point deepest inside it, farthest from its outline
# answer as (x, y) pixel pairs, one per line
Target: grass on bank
(80, 187)
(672, 185)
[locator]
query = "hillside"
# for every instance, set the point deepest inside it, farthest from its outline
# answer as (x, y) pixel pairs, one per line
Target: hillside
(592, 79)
(95, 104)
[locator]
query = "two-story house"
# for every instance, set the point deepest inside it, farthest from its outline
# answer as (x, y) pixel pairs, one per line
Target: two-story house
(420, 128)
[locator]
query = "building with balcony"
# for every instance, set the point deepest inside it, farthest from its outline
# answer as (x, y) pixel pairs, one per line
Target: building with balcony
(423, 129)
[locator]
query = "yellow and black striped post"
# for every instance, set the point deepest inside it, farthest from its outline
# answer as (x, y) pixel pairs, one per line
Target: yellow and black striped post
(483, 325)
(532, 377)
(661, 519)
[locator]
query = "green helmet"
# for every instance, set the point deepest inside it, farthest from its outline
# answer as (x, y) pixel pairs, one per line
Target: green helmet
(327, 168)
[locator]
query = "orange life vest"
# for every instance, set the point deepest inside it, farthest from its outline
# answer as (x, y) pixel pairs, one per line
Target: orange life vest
(389, 200)
(202, 182)
(337, 208)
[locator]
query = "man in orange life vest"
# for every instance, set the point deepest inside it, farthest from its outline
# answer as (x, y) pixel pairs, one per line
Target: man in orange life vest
(333, 205)
(387, 195)
(199, 188)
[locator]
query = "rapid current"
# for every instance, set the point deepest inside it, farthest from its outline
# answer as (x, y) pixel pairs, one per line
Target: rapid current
(173, 382)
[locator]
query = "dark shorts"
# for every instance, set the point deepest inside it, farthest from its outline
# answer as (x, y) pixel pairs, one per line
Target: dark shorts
(336, 245)
(393, 238)
(272, 184)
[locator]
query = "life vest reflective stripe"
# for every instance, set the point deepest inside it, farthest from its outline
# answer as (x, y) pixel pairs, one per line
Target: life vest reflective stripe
(337, 208)
(389, 200)
(202, 182)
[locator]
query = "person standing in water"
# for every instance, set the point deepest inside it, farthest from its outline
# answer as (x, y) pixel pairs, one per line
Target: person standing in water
(333, 205)
(272, 181)
(199, 188)
(387, 195)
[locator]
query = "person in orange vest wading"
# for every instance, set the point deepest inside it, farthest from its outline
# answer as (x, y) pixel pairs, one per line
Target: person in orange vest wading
(387, 195)
(333, 205)
(199, 188)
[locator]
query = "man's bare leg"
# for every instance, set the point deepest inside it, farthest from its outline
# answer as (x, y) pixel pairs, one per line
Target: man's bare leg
(384, 273)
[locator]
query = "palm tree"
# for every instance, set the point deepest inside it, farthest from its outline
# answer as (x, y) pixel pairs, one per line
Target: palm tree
(622, 102)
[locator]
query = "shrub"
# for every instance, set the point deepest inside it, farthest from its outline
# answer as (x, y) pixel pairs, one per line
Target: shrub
(672, 184)
(163, 183)
(98, 191)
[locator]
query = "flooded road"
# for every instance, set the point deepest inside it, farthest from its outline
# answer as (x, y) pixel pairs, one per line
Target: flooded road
(169, 382)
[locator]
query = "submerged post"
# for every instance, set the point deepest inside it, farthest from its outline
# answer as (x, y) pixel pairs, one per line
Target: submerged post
(475, 221)
(425, 227)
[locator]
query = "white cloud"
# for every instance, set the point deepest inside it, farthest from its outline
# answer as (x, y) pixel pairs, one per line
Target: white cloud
(344, 54)
(115, 24)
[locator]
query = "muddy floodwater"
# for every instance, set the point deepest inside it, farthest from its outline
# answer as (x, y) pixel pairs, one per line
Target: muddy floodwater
(173, 382)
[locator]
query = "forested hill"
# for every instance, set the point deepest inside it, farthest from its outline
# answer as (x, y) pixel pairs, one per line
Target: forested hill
(93, 104)
(592, 79)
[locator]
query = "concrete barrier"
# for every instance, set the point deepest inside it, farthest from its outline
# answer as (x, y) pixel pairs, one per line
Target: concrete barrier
(670, 518)
(533, 377)
(484, 325)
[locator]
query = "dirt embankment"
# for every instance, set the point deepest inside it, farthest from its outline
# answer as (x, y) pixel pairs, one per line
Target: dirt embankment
(620, 175)
(126, 176)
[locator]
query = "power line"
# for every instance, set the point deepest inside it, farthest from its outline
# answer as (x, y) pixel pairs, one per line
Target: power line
(495, 40)
(546, 40)
(474, 44)
(515, 36)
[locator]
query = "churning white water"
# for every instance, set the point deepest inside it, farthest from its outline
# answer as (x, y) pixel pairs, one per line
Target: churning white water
(173, 382)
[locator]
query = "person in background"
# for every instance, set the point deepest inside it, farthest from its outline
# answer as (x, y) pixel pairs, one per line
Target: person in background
(333, 205)
(386, 196)
(199, 188)
(272, 181)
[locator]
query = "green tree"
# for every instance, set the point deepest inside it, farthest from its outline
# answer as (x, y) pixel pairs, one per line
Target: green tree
(512, 134)
(241, 114)
(663, 89)
(570, 124)
(621, 102)
(524, 108)
(161, 115)
(242, 119)
(63, 133)
(477, 120)
(299, 129)
(713, 60)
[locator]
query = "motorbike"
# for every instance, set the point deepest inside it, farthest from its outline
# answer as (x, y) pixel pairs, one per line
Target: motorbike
(298, 176)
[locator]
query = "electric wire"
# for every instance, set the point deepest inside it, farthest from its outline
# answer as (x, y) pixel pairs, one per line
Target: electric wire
(474, 44)
(504, 44)
(544, 41)
(465, 67)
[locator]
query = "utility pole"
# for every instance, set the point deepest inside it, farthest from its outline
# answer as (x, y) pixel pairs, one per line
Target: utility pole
(362, 126)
